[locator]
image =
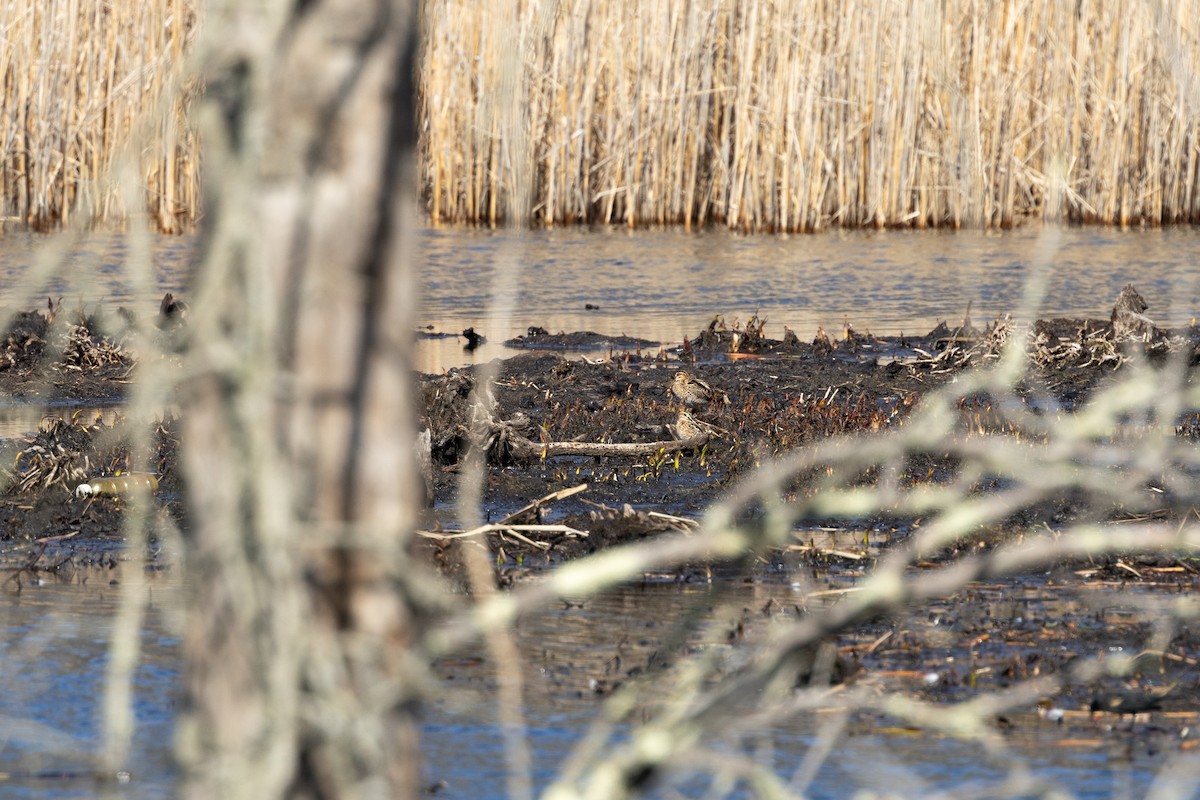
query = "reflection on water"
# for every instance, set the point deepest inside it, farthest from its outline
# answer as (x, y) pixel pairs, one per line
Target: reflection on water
(573, 657)
(667, 285)
(664, 285)
(21, 419)
(92, 268)
(53, 657)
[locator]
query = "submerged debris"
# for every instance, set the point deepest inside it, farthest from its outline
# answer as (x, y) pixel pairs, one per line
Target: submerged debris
(127, 483)
(66, 451)
(1129, 321)
(473, 339)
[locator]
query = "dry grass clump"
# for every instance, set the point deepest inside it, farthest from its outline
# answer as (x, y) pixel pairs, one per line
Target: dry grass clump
(64, 452)
(56, 456)
(766, 116)
(86, 85)
(74, 341)
(87, 349)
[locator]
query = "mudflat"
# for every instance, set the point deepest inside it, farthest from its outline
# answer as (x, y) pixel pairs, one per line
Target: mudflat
(544, 423)
(581, 454)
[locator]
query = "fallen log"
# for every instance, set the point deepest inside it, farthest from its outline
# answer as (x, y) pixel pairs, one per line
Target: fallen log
(503, 440)
(525, 449)
(513, 526)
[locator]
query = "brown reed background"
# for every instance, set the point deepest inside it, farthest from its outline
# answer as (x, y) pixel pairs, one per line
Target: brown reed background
(757, 115)
(796, 116)
(88, 86)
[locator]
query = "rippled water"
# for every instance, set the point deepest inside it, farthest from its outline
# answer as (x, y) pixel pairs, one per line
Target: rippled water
(55, 631)
(54, 635)
(92, 268)
(667, 285)
(572, 656)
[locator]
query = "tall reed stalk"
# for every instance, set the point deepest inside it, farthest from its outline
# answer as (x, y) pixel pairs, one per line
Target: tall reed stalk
(84, 86)
(756, 115)
(797, 116)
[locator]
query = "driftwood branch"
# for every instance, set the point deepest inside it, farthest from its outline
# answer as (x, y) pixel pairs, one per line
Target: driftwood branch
(512, 530)
(527, 449)
(510, 525)
(504, 439)
(561, 494)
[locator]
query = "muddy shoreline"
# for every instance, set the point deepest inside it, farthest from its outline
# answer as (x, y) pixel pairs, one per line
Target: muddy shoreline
(1060, 623)
(543, 414)
(549, 423)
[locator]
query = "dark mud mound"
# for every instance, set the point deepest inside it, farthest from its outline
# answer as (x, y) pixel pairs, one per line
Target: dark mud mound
(782, 394)
(773, 407)
(24, 342)
(537, 338)
(59, 356)
(65, 355)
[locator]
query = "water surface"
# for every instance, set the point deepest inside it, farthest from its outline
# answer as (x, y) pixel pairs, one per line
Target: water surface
(55, 631)
(656, 285)
(668, 285)
(54, 635)
(665, 285)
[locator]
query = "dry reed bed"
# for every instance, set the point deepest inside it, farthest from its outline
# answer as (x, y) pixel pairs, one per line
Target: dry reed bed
(757, 115)
(795, 116)
(88, 88)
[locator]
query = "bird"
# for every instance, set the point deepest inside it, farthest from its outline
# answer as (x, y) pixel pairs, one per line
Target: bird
(172, 312)
(473, 339)
(695, 392)
(1129, 701)
(687, 427)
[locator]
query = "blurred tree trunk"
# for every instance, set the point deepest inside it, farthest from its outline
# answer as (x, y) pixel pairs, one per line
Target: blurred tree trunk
(297, 451)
